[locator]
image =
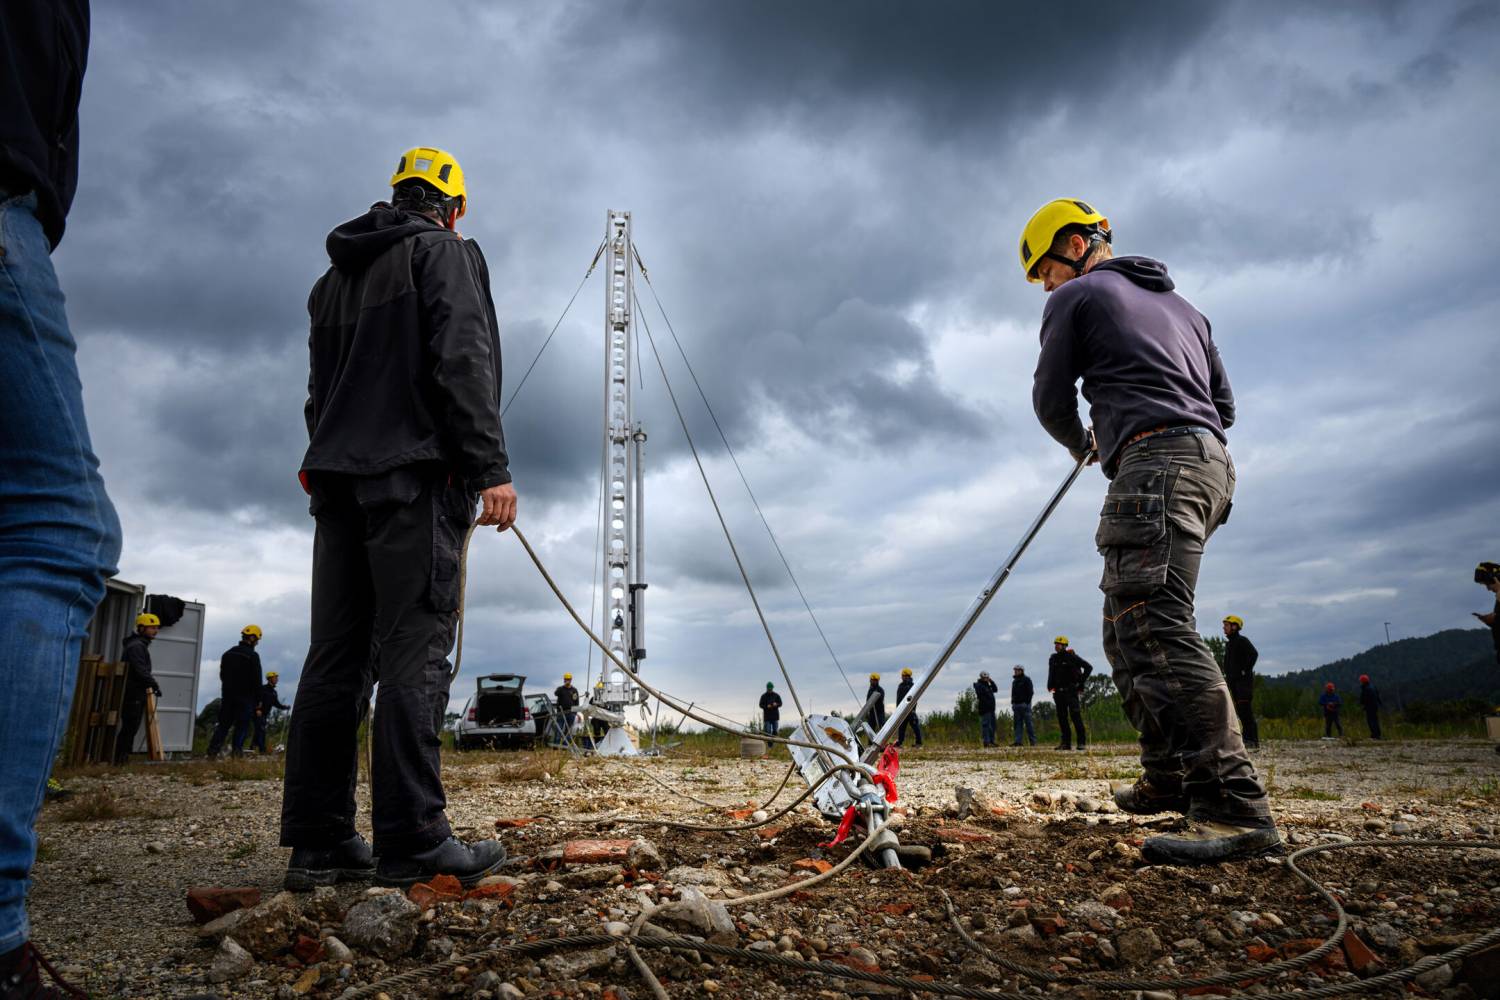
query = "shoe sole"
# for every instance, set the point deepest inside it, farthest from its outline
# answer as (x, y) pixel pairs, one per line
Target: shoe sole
(308, 879)
(1155, 809)
(467, 881)
(1172, 851)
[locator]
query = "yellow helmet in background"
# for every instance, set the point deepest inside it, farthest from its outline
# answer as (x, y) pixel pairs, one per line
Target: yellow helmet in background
(146, 618)
(1051, 219)
(252, 630)
(567, 677)
(271, 675)
(438, 168)
(1061, 640)
(906, 671)
(1234, 620)
(874, 677)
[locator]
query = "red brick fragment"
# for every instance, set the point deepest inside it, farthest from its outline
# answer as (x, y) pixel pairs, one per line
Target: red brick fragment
(517, 823)
(207, 903)
(811, 865)
(498, 891)
(594, 852)
(1359, 955)
(309, 950)
(896, 909)
(770, 832)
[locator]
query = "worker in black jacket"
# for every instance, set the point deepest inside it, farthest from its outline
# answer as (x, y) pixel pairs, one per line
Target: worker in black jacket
(984, 704)
(404, 440)
(911, 721)
(239, 693)
(269, 699)
(566, 700)
(1369, 700)
(1239, 670)
(1021, 693)
(876, 718)
(1066, 672)
(135, 652)
(770, 709)
(1487, 575)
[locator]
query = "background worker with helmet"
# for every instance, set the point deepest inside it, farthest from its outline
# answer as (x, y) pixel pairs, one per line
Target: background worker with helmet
(1487, 575)
(1369, 700)
(911, 721)
(1239, 670)
(1331, 703)
(239, 693)
(984, 704)
(135, 652)
(1066, 672)
(403, 422)
(770, 710)
(877, 709)
(1160, 402)
(566, 698)
(268, 699)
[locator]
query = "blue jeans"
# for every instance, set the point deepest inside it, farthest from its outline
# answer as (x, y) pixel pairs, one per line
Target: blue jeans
(772, 725)
(987, 728)
(1022, 715)
(59, 540)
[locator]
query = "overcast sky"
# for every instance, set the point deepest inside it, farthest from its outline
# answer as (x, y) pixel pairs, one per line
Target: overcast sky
(829, 197)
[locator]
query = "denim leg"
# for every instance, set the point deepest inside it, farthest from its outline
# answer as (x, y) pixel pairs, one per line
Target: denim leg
(1030, 727)
(59, 541)
(987, 727)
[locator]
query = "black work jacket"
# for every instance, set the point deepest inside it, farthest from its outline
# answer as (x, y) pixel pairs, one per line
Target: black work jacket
(902, 688)
(136, 654)
(404, 353)
(770, 704)
(44, 45)
(239, 672)
(1021, 690)
(1239, 659)
(984, 695)
(566, 697)
(1067, 671)
(269, 699)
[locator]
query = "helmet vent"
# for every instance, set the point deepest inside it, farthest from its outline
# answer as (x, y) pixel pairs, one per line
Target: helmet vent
(443, 173)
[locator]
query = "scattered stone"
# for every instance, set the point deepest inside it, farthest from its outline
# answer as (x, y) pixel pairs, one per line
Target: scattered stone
(576, 964)
(1116, 896)
(617, 928)
(230, 962)
(309, 950)
(1403, 829)
(643, 854)
(305, 982)
(1435, 979)
(323, 906)
(1376, 825)
(271, 927)
(385, 925)
(209, 903)
(1384, 935)
(156, 847)
(509, 991)
(701, 914)
(337, 950)
(1138, 945)
(218, 929)
(1084, 804)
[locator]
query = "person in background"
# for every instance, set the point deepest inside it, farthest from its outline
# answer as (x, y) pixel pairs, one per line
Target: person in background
(1369, 700)
(1239, 670)
(239, 693)
(911, 721)
(59, 536)
(1066, 672)
(566, 699)
(770, 709)
(598, 727)
(1331, 702)
(1021, 693)
(877, 710)
(136, 654)
(984, 704)
(268, 699)
(1487, 574)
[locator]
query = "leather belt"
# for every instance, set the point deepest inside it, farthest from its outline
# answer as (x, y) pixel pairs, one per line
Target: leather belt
(1167, 432)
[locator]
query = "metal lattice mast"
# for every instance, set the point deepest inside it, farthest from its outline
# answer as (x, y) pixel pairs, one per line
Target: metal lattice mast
(624, 562)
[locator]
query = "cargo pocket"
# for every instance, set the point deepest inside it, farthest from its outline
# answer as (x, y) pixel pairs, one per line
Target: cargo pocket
(452, 513)
(1133, 540)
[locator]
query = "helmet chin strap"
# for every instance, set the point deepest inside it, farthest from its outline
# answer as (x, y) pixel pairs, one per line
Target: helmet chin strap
(1096, 240)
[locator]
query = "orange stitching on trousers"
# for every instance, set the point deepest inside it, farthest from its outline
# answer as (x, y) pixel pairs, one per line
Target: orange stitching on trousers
(1122, 614)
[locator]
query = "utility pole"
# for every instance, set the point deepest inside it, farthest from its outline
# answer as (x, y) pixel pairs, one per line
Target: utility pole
(625, 439)
(1387, 633)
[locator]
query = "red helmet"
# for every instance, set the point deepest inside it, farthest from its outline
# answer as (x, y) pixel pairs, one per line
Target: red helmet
(1364, 678)
(1328, 686)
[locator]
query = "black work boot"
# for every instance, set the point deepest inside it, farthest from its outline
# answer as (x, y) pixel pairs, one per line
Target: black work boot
(1146, 799)
(20, 976)
(1207, 842)
(351, 861)
(466, 862)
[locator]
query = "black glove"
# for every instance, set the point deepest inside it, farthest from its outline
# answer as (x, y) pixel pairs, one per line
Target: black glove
(156, 690)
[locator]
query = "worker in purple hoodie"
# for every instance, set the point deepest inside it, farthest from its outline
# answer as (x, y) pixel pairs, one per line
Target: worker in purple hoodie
(1160, 402)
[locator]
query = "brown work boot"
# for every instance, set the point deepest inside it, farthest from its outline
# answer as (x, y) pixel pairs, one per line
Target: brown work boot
(1147, 799)
(21, 977)
(1207, 842)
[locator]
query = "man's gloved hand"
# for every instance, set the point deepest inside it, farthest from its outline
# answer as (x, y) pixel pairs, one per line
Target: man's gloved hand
(156, 690)
(1092, 453)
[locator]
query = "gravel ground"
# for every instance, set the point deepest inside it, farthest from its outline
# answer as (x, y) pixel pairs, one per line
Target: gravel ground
(1037, 873)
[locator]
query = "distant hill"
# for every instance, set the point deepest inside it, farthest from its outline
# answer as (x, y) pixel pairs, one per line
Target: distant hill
(1445, 666)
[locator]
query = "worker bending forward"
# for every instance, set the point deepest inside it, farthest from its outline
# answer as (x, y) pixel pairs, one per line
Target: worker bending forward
(404, 422)
(1160, 403)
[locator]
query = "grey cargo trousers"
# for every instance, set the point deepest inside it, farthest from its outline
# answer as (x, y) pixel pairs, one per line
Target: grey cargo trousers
(1168, 495)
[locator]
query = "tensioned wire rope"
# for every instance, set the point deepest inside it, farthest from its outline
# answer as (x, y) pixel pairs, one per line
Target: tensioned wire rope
(775, 543)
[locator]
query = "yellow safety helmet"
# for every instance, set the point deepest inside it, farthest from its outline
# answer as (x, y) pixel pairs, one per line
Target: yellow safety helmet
(1061, 640)
(252, 630)
(1051, 219)
(1234, 620)
(567, 677)
(271, 675)
(874, 677)
(906, 671)
(438, 168)
(147, 618)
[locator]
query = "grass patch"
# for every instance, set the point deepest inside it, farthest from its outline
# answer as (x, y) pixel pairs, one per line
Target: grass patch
(205, 772)
(483, 769)
(1310, 794)
(241, 850)
(45, 851)
(97, 805)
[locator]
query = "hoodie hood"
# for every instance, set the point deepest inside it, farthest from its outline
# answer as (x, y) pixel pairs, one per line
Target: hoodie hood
(1149, 274)
(356, 243)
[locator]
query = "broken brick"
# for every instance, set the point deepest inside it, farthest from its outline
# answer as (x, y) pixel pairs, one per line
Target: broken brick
(811, 865)
(513, 824)
(1331, 962)
(594, 852)
(309, 950)
(897, 909)
(1359, 955)
(209, 903)
(496, 891)
(1260, 953)
(770, 832)
(1049, 926)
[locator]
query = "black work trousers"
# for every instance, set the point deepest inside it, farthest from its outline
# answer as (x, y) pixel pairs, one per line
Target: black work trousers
(1069, 711)
(1168, 495)
(914, 724)
(235, 711)
(1372, 719)
(385, 594)
(1244, 707)
(132, 711)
